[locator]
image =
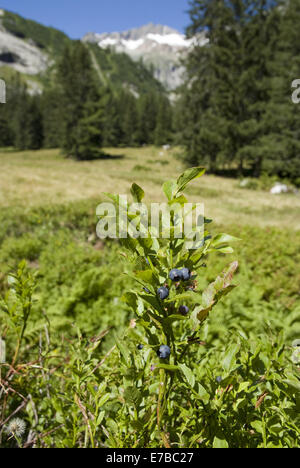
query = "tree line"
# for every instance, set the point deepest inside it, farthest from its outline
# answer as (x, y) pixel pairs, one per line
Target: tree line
(79, 114)
(236, 107)
(233, 113)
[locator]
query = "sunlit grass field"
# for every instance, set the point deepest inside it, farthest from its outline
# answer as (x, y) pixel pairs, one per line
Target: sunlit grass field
(35, 178)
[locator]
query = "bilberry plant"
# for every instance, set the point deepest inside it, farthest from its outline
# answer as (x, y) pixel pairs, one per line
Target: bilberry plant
(173, 310)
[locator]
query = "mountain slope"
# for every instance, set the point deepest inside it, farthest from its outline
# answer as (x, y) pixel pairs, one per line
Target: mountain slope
(33, 50)
(160, 47)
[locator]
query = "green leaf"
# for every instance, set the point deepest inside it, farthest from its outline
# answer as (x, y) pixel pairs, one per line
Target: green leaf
(169, 189)
(130, 298)
(125, 355)
(153, 301)
(156, 320)
(293, 384)
(100, 418)
(215, 291)
(190, 296)
(147, 276)
(188, 176)
(225, 250)
(229, 358)
(220, 443)
(188, 373)
(137, 193)
(173, 318)
(202, 392)
(103, 400)
(169, 367)
(242, 387)
(114, 198)
(132, 396)
(258, 426)
(223, 239)
(181, 200)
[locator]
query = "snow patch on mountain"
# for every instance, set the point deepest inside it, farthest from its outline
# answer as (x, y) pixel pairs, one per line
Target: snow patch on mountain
(173, 40)
(160, 47)
(108, 42)
(133, 44)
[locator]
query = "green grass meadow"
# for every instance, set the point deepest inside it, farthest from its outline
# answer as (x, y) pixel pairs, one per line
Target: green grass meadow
(70, 384)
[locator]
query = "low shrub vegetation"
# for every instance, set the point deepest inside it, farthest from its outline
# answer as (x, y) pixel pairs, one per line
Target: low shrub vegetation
(142, 342)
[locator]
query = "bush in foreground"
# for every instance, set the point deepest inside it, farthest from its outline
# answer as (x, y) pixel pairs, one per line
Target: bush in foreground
(242, 391)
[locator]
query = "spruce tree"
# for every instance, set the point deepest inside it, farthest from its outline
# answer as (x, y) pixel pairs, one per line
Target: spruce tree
(283, 116)
(147, 112)
(51, 110)
(163, 129)
(27, 122)
(204, 127)
(129, 119)
(228, 89)
(81, 107)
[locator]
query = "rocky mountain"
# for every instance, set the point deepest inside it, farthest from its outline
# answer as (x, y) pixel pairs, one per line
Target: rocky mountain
(159, 47)
(33, 50)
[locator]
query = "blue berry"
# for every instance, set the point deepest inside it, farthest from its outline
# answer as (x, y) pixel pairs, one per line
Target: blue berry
(146, 290)
(219, 379)
(175, 275)
(164, 352)
(185, 274)
(183, 310)
(140, 347)
(163, 293)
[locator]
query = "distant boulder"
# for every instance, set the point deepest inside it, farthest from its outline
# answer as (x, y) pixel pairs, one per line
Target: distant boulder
(279, 188)
(244, 183)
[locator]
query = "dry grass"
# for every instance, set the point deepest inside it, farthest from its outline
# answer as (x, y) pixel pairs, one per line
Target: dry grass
(37, 177)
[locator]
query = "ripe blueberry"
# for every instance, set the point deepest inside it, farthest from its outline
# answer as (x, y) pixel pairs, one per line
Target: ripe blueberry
(175, 275)
(185, 274)
(139, 347)
(164, 352)
(163, 293)
(146, 290)
(183, 310)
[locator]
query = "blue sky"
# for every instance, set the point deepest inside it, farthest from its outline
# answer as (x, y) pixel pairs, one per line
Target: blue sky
(77, 17)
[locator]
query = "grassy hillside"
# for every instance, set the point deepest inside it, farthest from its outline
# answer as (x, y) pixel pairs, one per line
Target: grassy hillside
(117, 70)
(45, 37)
(41, 178)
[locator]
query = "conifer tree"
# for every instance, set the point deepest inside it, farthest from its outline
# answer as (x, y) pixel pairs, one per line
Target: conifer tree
(27, 122)
(283, 116)
(81, 106)
(111, 129)
(204, 127)
(163, 129)
(147, 111)
(129, 119)
(228, 89)
(51, 110)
